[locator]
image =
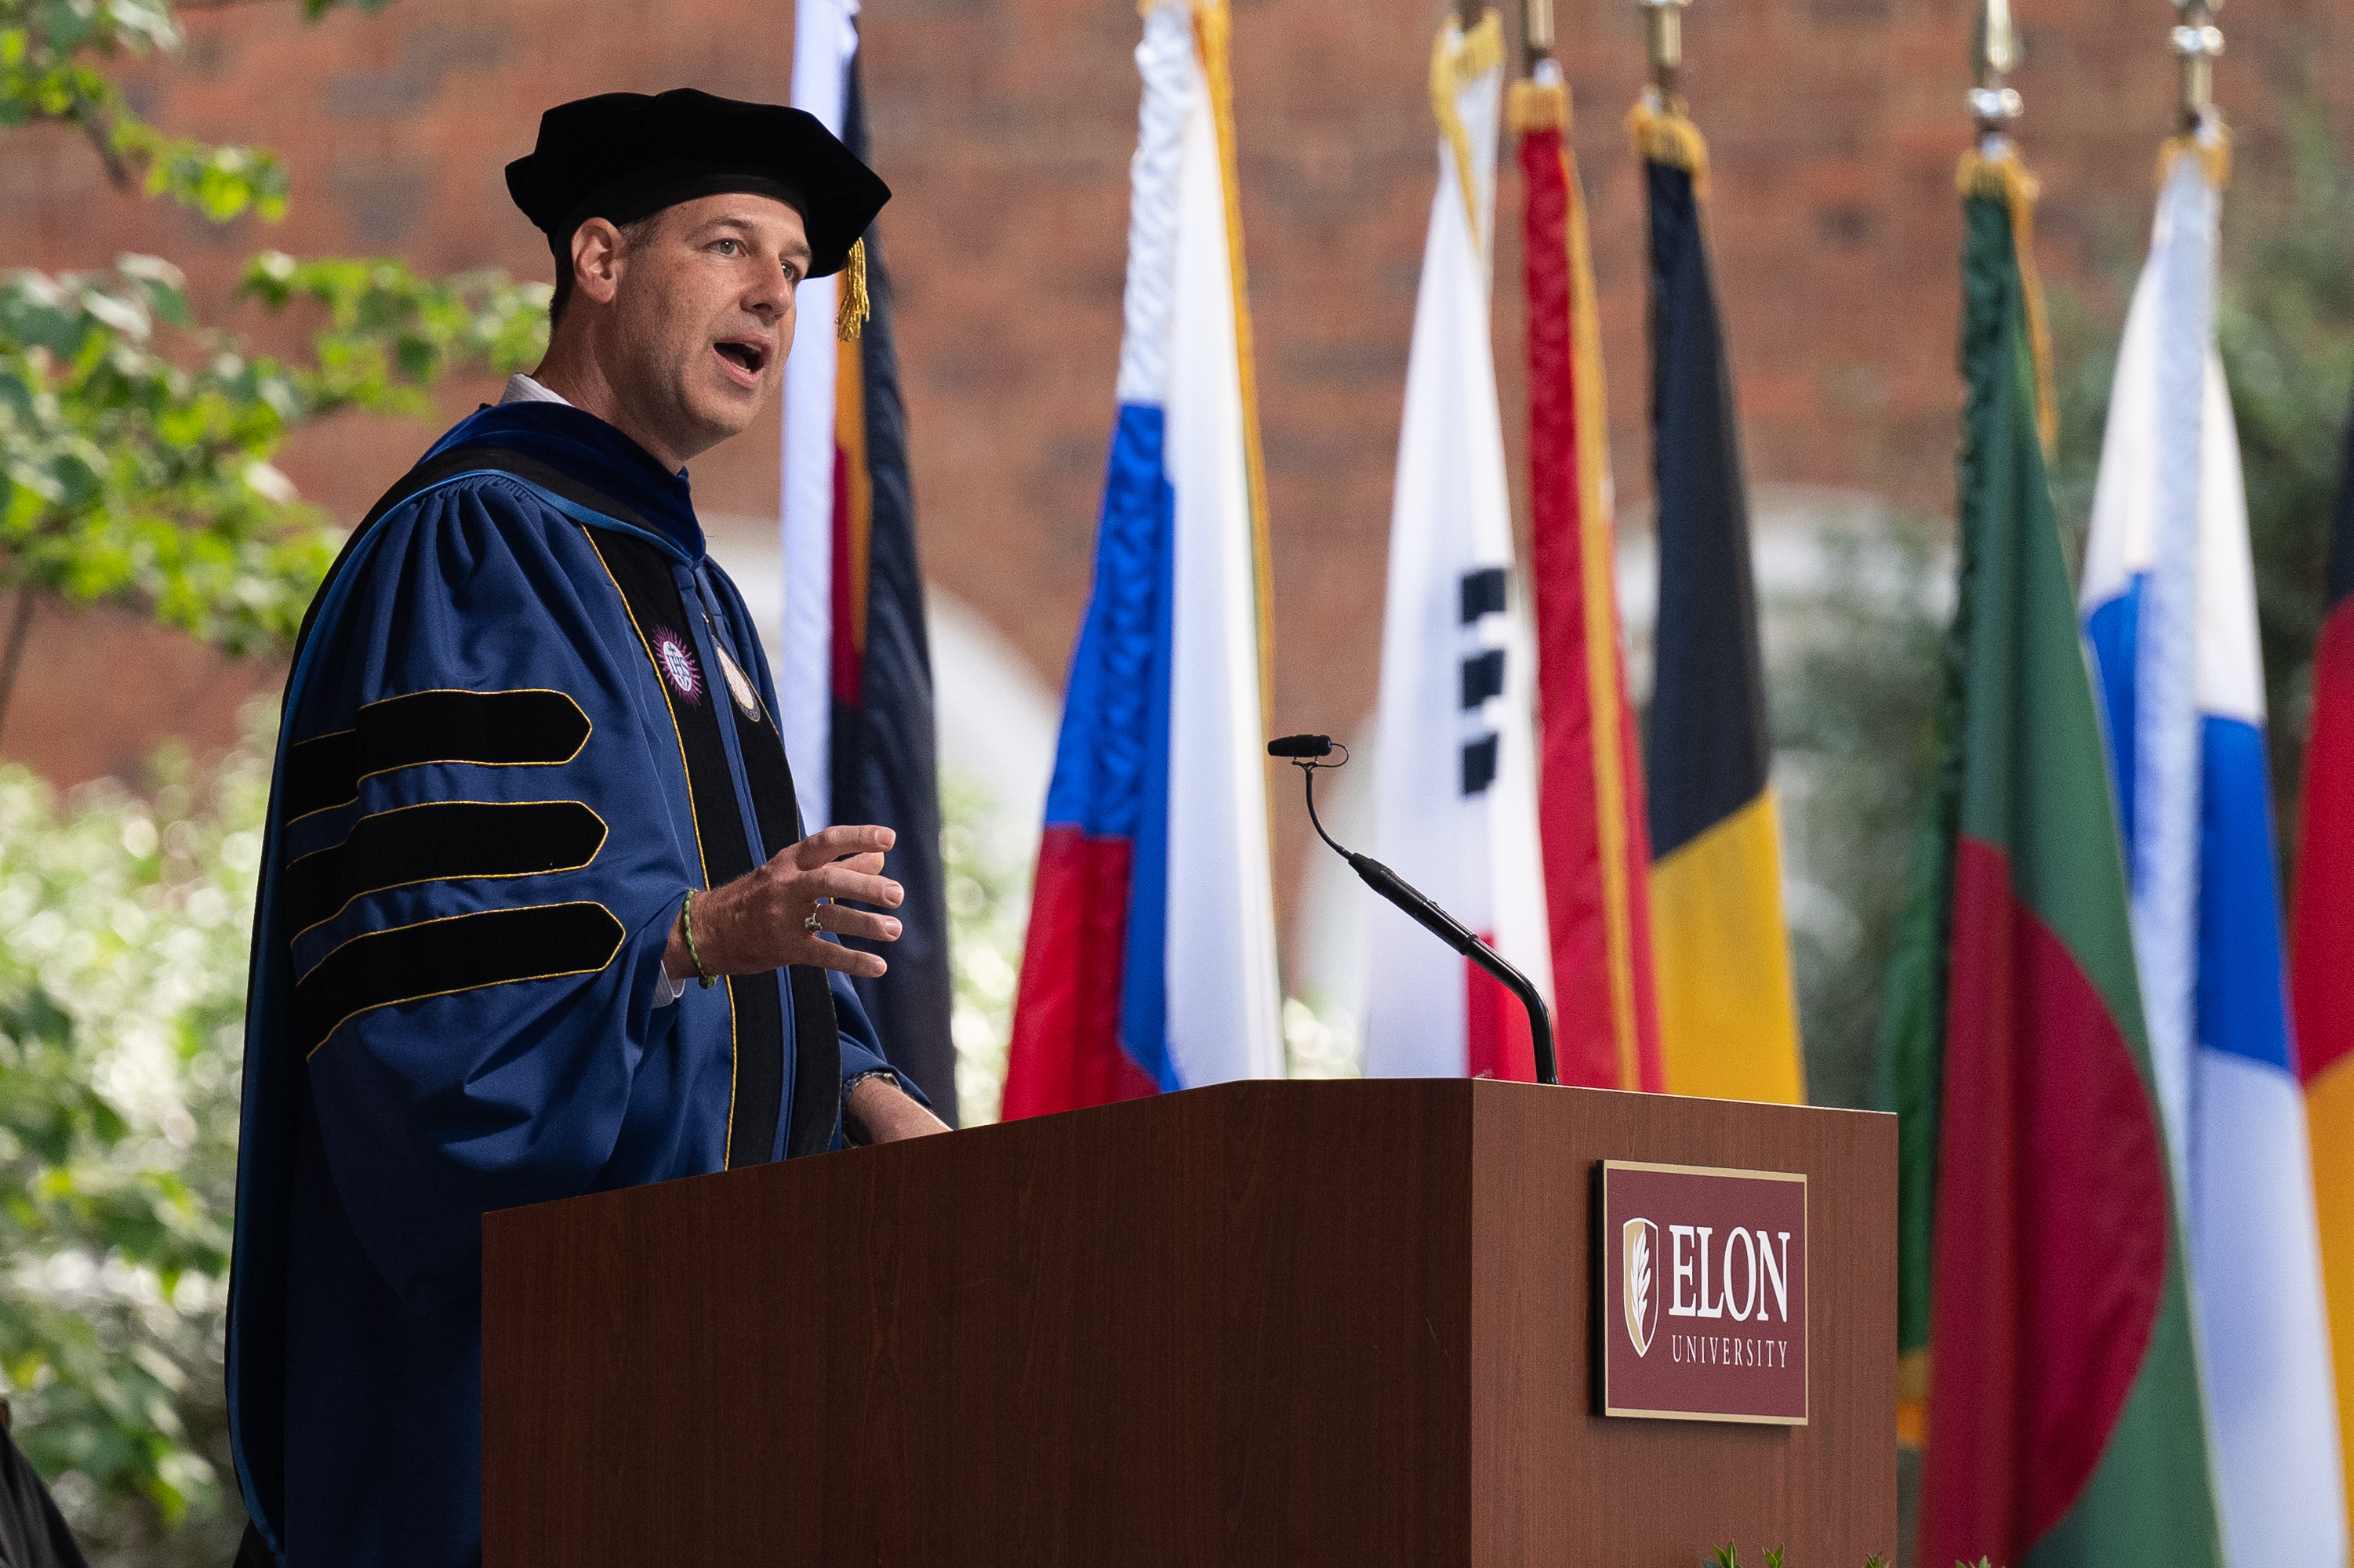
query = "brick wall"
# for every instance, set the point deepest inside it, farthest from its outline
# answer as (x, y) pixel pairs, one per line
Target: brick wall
(1005, 127)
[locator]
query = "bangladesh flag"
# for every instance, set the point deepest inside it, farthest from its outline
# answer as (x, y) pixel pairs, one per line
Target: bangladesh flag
(2042, 1255)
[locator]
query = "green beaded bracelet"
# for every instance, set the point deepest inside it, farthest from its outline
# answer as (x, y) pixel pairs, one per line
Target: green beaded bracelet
(686, 926)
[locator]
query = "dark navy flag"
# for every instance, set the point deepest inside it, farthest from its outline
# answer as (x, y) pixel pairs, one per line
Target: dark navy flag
(857, 664)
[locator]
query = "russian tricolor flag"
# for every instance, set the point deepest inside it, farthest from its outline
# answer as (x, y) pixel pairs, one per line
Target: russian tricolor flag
(1150, 959)
(2169, 608)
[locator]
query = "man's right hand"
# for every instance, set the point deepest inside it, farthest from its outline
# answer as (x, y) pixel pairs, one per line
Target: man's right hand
(760, 921)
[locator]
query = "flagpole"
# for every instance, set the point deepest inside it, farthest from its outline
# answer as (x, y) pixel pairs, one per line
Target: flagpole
(1994, 102)
(1663, 37)
(1536, 34)
(2195, 42)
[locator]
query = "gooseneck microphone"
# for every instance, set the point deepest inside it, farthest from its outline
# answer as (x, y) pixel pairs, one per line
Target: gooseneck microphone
(1307, 752)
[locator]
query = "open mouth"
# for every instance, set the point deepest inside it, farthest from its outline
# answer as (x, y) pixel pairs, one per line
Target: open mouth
(745, 356)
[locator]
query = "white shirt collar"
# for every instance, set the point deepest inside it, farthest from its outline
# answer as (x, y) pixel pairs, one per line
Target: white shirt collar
(522, 389)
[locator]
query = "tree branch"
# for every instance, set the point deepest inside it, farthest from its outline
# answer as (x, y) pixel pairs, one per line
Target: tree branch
(19, 632)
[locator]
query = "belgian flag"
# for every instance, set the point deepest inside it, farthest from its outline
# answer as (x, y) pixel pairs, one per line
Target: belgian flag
(1728, 1019)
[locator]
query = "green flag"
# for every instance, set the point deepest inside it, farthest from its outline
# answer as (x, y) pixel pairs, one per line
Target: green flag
(2041, 1251)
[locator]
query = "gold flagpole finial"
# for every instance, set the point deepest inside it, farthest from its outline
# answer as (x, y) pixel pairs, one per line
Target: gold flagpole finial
(2196, 41)
(1994, 102)
(1663, 36)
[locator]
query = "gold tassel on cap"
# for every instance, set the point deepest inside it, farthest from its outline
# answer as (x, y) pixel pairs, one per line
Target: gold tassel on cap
(850, 315)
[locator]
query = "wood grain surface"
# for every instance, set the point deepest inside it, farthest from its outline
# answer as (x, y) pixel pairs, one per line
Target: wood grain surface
(1262, 1323)
(1552, 1482)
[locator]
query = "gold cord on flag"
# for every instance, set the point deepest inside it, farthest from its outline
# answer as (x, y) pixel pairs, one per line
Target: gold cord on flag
(1663, 135)
(1535, 106)
(850, 314)
(1457, 61)
(1913, 1398)
(1999, 177)
(2211, 147)
(1213, 31)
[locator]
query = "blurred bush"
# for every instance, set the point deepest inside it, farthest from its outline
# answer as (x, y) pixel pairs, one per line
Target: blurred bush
(988, 871)
(123, 933)
(1852, 756)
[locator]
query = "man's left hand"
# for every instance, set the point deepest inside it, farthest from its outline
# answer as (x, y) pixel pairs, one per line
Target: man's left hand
(879, 1111)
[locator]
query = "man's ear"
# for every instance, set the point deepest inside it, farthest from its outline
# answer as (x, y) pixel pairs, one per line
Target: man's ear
(596, 259)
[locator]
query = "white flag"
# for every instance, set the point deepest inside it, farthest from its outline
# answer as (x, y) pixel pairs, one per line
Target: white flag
(825, 37)
(2170, 609)
(1455, 764)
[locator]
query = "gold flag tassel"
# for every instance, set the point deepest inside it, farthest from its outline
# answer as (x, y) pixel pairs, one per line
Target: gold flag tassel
(850, 315)
(1657, 122)
(1462, 55)
(1663, 135)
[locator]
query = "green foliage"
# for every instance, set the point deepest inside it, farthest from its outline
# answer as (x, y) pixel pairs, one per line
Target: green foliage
(392, 335)
(124, 927)
(135, 449)
(50, 69)
(988, 903)
(54, 60)
(1726, 1556)
(2286, 327)
(127, 477)
(1852, 755)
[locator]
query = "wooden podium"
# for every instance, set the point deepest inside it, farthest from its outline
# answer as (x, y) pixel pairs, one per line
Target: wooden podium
(1281, 1323)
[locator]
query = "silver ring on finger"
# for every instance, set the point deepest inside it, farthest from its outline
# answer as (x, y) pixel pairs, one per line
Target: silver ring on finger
(814, 929)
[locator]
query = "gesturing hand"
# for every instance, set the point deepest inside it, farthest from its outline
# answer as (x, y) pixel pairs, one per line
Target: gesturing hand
(760, 921)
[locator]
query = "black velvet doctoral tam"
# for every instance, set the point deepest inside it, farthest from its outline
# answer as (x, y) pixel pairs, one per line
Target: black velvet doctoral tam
(621, 155)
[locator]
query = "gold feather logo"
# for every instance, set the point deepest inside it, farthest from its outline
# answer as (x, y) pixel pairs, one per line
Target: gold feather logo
(1639, 1238)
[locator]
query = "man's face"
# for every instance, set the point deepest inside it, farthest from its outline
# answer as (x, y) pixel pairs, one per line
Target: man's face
(702, 314)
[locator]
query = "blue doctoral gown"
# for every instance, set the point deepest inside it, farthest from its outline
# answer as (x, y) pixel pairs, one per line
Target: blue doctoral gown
(526, 714)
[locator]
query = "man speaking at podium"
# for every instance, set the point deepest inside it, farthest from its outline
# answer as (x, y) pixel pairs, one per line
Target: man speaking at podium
(537, 915)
